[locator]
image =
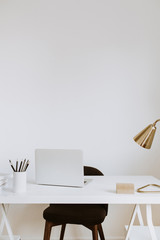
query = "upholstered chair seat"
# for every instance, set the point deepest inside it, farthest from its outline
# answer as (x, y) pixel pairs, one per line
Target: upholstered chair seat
(88, 215)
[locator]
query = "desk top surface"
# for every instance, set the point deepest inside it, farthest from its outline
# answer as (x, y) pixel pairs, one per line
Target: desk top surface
(99, 189)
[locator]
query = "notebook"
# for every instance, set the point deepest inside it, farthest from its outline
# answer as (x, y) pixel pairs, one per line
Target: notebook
(59, 167)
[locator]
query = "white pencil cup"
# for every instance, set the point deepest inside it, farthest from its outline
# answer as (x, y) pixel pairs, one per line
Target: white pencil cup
(19, 182)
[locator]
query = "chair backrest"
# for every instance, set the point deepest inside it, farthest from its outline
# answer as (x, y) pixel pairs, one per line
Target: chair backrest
(91, 171)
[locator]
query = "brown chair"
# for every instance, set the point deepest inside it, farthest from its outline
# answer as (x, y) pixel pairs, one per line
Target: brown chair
(88, 215)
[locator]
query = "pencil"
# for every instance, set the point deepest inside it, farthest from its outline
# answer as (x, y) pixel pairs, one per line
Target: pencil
(16, 166)
(20, 167)
(27, 165)
(23, 165)
(11, 165)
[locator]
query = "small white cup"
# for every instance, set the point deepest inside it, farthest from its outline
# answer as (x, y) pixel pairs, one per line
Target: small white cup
(19, 182)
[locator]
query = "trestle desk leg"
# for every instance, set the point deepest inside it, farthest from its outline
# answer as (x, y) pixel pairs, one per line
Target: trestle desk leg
(149, 222)
(2, 220)
(137, 211)
(8, 227)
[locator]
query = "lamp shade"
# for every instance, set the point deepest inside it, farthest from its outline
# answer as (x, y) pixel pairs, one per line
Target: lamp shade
(145, 137)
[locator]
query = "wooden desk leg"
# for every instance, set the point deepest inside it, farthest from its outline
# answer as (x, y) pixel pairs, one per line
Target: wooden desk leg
(6, 222)
(137, 211)
(149, 222)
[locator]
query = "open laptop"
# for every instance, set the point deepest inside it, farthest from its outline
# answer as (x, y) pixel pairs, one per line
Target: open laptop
(59, 167)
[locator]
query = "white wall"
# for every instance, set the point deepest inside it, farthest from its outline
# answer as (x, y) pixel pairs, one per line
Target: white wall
(79, 74)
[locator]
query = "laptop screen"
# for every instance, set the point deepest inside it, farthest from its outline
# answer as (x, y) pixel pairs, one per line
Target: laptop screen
(60, 167)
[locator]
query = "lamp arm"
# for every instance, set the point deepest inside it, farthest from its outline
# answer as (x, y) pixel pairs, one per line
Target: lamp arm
(154, 124)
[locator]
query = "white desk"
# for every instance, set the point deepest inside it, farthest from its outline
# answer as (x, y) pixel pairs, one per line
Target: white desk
(99, 190)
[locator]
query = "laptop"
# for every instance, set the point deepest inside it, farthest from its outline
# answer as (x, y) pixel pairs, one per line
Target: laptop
(59, 167)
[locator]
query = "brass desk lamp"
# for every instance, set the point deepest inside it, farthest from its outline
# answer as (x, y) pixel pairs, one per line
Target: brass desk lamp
(145, 139)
